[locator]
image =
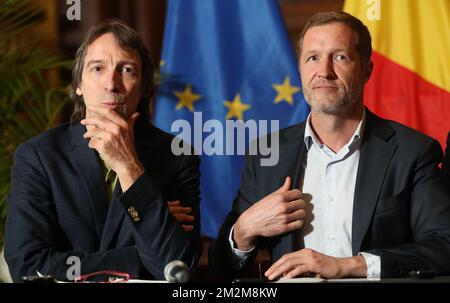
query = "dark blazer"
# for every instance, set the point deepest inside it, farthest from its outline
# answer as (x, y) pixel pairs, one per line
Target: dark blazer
(446, 163)
(401, 211)
(58, 208)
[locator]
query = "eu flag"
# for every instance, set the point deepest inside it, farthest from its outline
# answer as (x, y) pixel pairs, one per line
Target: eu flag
(228, 60)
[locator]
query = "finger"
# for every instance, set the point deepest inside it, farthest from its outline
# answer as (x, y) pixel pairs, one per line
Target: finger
(296, 215)
(270, 270)
(94, 142)
(90, 127)
(292, 194)
(276, 272)
(132, 120)
(277, 264)
(187, 228)
(294, 225)
(286, 186)
(97, 121)
(180, 209)
(295, 205)
(291, 226)
(284, 267)
(108, 114)
(297, 271)
(98, 134)
(300, 255)
(188, 218)
(184, 218)
(173, 203)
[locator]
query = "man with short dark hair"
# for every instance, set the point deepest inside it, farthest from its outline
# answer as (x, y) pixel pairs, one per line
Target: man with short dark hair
(92, 195)
(353, 195)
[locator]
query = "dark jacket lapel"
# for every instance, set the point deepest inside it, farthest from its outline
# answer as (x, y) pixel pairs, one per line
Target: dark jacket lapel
(87, 164)
(375, 155)
(292, 153)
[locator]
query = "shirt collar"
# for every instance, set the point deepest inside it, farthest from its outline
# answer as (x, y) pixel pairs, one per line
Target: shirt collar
(354, 143)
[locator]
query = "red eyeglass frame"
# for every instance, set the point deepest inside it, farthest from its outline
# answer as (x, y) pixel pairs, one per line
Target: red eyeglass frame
(115, 277)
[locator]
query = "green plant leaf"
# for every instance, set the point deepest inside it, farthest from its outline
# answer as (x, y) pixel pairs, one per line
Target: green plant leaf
(29, 102)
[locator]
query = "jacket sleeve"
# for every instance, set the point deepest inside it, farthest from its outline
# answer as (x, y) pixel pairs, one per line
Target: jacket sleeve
(33, 235)
(429, 204)
(159, 238)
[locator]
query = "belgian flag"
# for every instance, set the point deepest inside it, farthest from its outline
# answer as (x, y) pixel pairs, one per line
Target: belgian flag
(411, 78)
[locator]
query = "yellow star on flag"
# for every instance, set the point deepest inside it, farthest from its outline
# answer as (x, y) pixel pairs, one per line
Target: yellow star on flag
(285, 91)
(236, 108)
(187, 98)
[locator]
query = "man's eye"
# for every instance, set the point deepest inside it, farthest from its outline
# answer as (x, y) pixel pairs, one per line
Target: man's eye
(311, 58)
(129, 71)
(96, 68)
(341, 57)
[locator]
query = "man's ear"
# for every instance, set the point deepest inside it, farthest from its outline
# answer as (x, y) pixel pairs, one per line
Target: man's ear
(79, 92)
(368, 71)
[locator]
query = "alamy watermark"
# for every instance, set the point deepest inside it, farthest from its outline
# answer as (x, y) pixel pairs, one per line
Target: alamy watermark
(74, 269)
(374, 10)
(213, 138)
(74, 10)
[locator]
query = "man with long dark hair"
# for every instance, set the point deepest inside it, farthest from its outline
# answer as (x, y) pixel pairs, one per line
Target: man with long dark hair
(91, 195)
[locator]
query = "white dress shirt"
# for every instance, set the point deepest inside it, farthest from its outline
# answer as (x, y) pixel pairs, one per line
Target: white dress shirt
(328, 189)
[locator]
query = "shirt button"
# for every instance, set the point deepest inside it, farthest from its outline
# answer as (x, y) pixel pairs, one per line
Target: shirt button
(331, 238)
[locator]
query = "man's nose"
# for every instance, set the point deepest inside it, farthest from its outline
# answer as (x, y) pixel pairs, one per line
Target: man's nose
(326, 69)
(112, 81)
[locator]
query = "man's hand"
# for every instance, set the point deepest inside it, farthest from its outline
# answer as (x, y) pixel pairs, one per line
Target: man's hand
(113, 138)
(307, 262)
(182, 215)
(280, 212)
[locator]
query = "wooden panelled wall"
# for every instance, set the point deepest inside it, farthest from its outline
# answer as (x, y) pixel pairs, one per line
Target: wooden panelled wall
(297, 12)
(147, 17)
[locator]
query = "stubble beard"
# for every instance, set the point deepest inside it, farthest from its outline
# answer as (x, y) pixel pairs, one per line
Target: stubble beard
(329, 104)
